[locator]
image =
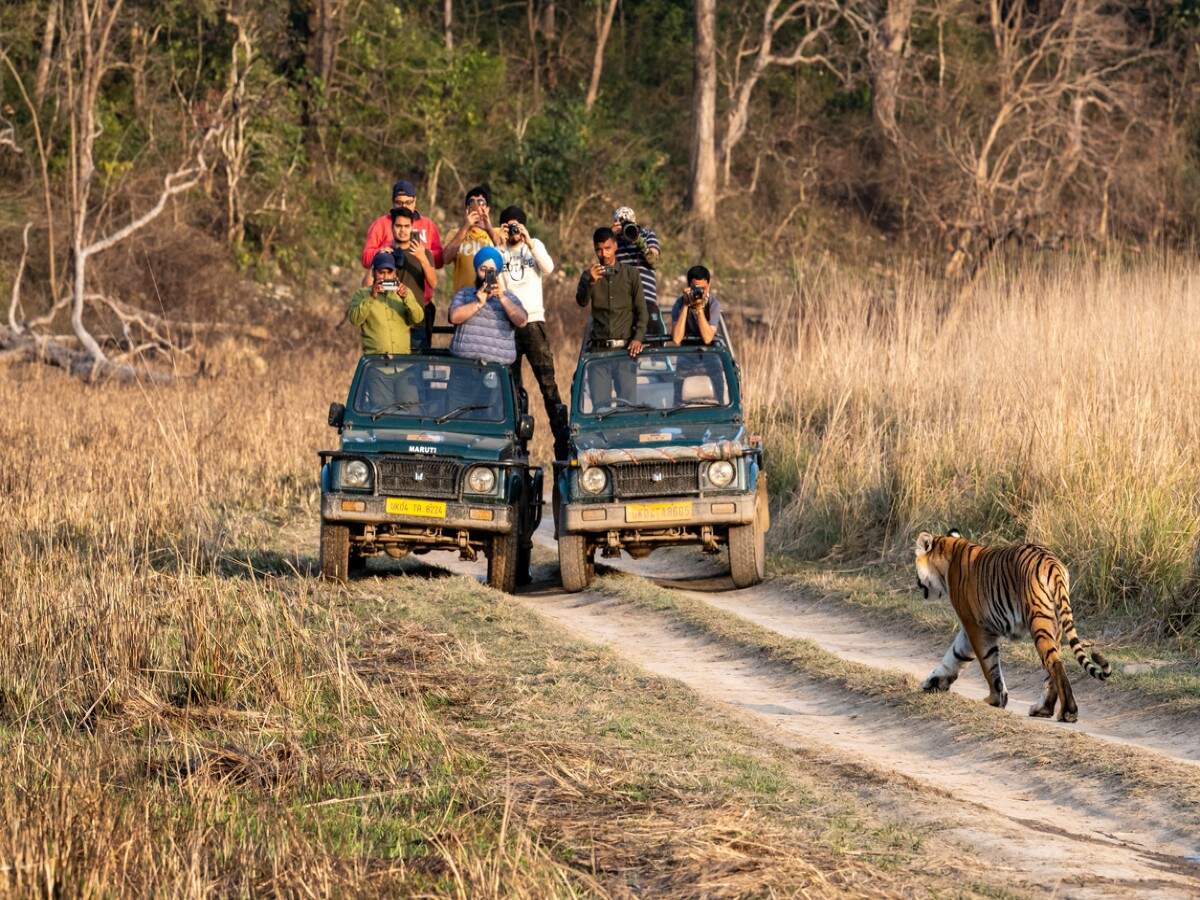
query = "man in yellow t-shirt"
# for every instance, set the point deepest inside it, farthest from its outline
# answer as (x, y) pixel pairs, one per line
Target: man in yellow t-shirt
(475, 233)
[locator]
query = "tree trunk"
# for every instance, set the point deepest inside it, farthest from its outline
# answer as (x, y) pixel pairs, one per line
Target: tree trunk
(703, 194)
(47, 54)
(448, 23)
(886, 56)
(604, 22)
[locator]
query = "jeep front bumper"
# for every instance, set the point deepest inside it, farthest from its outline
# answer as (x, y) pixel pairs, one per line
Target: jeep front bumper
(657, 513)
(344, 507)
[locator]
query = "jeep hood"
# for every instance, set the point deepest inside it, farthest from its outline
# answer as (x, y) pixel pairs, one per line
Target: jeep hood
(488, 447)
(659, 433)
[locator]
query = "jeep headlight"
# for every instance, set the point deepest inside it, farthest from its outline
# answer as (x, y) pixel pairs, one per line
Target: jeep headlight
(481, 480)
(721, 473)
(356, 474)
(593, 479)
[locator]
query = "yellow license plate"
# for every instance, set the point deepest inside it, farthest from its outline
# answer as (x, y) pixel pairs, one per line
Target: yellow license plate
(429, 509)
(658, 512)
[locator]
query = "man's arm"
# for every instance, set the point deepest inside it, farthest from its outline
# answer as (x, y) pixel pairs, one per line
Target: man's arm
(641, 315)
(413, 309)
(426, 266)
(360, 306)
(435, 245)
(379, 236)
(583, 292)
(513, 309)
(541, 257)
(648, 244)
(707, 331)
(464, 305)
(679, 323)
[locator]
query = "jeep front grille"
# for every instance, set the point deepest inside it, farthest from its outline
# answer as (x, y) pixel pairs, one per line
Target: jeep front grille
(419, 477)
(656, 479)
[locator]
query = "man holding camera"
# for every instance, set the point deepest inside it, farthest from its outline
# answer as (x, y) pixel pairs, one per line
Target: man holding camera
(526, 262)
(619, 316)
(697, 312)
(486, 313)
(475, 233)
(638, 247)
(413, 265)
(380, 234)
(386, 311)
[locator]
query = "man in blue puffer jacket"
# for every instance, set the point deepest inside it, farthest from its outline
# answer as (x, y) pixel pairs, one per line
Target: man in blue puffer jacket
(486, 315)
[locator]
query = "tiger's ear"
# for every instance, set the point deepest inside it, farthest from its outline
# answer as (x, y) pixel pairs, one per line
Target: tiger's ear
(924, 543)
(953, 532)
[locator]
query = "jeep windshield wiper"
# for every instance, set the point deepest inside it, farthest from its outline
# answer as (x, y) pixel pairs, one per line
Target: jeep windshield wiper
(622, 405)
(694, 404)
(459, 410)
(393, 407)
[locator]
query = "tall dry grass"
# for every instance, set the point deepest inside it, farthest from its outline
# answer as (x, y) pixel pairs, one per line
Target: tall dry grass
(1058, 403)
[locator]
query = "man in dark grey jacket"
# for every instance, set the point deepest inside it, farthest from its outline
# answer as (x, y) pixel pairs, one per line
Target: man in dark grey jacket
(619, 319)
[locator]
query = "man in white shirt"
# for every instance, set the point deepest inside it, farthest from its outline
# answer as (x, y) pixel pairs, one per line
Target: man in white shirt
(526, 263)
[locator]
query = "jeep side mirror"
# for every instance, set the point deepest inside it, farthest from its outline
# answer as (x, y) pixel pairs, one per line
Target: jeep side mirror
(525, 428)
(337, 415)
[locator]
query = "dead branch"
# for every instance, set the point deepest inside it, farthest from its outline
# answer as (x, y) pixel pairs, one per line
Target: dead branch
(15, 303)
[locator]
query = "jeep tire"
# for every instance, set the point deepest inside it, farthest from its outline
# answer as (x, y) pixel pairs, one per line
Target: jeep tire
(747, 544)
(335, 552)
(503, 559)
(524, 560)
(576, 563)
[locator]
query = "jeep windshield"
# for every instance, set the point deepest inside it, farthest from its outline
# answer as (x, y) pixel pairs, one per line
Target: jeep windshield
(660, 381)
(435, 388)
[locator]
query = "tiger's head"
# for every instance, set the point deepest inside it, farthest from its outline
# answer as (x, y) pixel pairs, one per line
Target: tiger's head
(933, 562)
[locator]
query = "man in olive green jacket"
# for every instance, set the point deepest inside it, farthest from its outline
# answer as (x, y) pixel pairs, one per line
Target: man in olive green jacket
(385, 313)
(619, 319)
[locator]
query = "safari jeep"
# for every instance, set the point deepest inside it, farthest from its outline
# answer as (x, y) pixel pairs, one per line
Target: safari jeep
(433, 457)
(659, 456)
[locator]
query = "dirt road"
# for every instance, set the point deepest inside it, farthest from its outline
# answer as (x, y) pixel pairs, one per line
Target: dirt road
(1048, 831)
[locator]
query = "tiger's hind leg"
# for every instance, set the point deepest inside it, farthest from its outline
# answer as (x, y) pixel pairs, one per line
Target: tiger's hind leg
(946, 672)
(989, 661)
(1058, 686)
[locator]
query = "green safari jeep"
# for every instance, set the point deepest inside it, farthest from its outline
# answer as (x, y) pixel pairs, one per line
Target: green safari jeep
(434, 456)
(660, 456)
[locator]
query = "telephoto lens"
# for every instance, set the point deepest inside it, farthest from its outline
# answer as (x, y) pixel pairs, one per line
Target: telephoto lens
(630, 232)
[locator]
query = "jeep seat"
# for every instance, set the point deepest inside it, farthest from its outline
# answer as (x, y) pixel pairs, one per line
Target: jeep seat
(697, 388)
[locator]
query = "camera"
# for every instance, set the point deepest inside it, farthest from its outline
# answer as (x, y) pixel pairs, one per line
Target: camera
(513, 230)
(608, 271)
(697, 293)
(389, 285)
(489, 277)
(630, 232)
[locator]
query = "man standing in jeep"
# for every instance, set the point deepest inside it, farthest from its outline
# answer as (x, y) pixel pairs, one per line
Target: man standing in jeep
(619, 317)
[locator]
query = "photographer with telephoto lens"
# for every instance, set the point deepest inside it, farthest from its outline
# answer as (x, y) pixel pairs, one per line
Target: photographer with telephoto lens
(697, 312)
(526, 263)
(638, 246)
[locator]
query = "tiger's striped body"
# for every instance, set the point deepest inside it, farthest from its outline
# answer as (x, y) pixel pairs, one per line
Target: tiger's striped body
(1004, 592)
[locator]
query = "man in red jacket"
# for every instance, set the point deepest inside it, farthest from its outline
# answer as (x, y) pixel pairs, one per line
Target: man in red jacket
(379, 235)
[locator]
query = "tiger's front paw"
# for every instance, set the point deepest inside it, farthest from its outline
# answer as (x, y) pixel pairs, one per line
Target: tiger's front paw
(998, 700)
(937, 682)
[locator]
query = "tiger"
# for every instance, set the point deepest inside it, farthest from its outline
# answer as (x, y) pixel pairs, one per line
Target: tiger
(1004, 592)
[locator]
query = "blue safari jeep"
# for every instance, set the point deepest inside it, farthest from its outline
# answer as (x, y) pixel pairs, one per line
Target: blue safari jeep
(434, 456)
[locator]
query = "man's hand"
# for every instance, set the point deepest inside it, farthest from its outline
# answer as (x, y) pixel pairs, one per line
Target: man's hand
(523, 234)
(472, 217)
(495, 290)
(376, 288)
(635, 347)
(401, 290)
(596, 272)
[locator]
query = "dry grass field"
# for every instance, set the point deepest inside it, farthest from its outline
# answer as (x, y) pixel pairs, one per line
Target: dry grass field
(1060, 405)
(185, 710)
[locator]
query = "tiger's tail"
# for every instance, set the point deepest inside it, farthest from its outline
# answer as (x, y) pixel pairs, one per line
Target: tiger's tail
(1097, 666)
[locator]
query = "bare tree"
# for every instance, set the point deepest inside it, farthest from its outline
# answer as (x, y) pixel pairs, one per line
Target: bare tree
(703, 194)
(886, 54)
(604, 20)
(49, 30)
(813, 19)
(233, 139)
(448, 23)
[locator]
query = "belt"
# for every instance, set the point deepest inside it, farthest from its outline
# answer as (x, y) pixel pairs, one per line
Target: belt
(608, 345)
